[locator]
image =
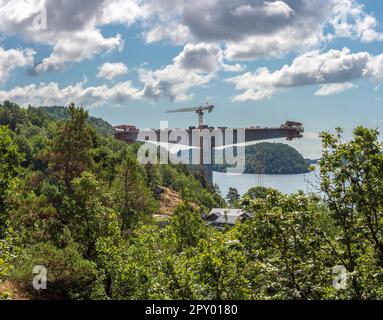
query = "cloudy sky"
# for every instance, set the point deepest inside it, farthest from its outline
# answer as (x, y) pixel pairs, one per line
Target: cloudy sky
(260, 62)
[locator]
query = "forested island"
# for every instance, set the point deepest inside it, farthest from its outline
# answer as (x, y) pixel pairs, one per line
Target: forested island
(76, 201)
(271, 158)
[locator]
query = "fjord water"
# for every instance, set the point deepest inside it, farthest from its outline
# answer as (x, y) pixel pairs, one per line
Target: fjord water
(290, 183)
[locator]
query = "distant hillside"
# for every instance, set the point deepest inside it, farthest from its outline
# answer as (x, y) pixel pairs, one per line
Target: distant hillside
(272, 158)
(60, 113)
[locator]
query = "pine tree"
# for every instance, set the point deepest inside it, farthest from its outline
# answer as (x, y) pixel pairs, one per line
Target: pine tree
(70, 146)
(232, 196)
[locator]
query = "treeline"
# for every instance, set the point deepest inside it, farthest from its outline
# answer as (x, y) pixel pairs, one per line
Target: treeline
(61, 113)
(80, 207)
(271, 158)
(64, 186)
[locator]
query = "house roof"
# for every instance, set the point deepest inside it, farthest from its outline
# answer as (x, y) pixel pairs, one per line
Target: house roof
(225, 216)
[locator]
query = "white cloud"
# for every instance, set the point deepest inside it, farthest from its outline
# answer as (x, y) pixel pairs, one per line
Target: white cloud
(122, 11)
(252, 29)
(204, 57)
(375, 68)
(175, 32)
(254, 95)
(195, 66)
(172, 82)
(334, 68)
(77, 47)
(73, 27)
(51, 94)
(213, 32)
(351, 21)
(12, 59)
(334, 88)
(110, 71)
(247, 29)
(269, 9)
(266, 46)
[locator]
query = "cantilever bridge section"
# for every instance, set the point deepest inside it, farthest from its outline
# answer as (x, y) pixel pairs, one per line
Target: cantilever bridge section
(290, 130)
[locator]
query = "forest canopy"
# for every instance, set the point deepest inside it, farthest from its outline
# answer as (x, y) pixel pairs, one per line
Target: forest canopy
(78, 203)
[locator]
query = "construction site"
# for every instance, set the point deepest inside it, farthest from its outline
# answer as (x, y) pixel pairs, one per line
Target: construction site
(130, 134)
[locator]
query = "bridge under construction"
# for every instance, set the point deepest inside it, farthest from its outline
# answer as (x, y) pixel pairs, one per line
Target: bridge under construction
(130, 134)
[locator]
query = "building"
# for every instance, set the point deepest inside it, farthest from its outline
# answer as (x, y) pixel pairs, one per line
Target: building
(220, 218)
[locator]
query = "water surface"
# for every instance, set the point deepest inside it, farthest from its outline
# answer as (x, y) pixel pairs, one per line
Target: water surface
(290, 183)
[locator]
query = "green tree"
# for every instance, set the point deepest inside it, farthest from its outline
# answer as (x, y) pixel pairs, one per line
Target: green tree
(233, 197)
(34, 218)
(285, 241)
(70, 276)
(133, 198)
(11, 115)
(10, 166)
(144, 268)
(89, 213)
(257, 192)
(7, 257)
(352, 181)
(219, 268)
(188, 226)
(70, 152)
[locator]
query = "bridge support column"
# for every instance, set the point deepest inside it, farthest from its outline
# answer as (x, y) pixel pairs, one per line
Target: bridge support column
(208, 172)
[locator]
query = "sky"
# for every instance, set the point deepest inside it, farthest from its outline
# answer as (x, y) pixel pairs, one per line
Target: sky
(260, 62)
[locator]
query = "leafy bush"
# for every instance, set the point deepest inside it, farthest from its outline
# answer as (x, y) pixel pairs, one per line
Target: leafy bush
(69, 274)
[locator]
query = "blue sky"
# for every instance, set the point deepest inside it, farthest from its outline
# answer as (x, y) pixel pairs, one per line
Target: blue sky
(259, 62)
